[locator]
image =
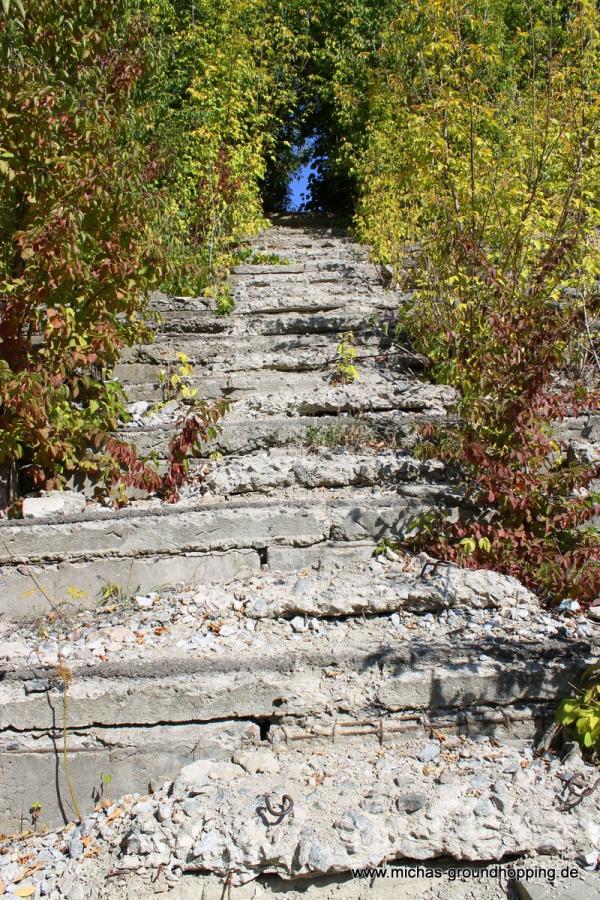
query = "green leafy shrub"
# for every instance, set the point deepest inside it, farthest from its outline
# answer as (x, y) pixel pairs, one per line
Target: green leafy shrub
(482, 172)
(345, 370)
(78, 251)
(224, 83)
(580, 716)
(133, 137)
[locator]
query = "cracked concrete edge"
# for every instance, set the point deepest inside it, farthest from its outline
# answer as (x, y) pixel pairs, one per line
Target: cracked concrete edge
(136, 759)
(154, 548)
(185, 688)
(140, 758)
(81, 583)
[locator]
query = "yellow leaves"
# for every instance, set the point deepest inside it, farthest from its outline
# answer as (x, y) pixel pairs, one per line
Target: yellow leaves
(25, 890)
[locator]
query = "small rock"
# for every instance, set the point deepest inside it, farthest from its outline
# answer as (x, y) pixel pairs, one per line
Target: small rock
(484, 808)
(374, 804)
(10, 649)
(139, 408)
(36, 686)
(165, 811)
(144, 602)
(119, 634)
(568, 605)
(448, 777)
(298, 624)
(480, 782)
(410, 803)
(192, 778)
(9, 872)
(571, 752)
(501, 797)
(75, 845)
(430, 751)
(144, 808)
(549, 846)
(258, 761)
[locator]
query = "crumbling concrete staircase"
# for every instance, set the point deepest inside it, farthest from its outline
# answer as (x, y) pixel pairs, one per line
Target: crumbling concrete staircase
(270, 500)
(265, 638)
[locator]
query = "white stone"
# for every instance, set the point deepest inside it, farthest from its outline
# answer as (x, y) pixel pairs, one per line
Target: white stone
(144, 602)
(254, 761)
(53, 503)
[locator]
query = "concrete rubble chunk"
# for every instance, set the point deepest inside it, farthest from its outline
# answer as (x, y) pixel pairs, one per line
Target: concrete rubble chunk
(53, 503)
(289, 824)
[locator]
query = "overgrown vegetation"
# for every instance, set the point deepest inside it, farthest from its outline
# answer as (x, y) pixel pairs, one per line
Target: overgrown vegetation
(351, 433)
(133, 137)
(580, 715)
(346, 370)
(483, 166)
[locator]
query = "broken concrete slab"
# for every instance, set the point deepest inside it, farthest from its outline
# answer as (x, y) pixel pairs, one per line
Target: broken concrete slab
(53, 503)
(105, 761)
(30, 591)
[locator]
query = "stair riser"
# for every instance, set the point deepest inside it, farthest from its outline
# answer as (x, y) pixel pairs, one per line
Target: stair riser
(249, 437)
(137, 758)
(139, 553)
(279, 324)
(133, 757)
(281, 695)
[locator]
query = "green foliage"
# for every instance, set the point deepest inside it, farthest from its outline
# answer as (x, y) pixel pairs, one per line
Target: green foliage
(133, 139)
(174, 381)
(580, 716)
(218, 96)
(77, 244)
(251, 257)
(345, 370)
(352, 433)
(482, 170)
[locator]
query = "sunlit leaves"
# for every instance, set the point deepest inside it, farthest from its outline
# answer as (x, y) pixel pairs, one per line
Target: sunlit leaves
(481, 187)
(77, 251)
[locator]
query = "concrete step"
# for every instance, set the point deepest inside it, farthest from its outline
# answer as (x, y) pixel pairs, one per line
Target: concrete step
(283, 662)
(397, 429)
(447, 830)
(253, 319)
(145, 549)
(239, 353)
(279, 470)
(370, 393)
(143, 381)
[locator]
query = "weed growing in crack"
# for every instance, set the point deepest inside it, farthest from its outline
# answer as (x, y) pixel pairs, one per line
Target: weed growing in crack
(174, 381)
(346, 372)
(353, 435)
(118, 596)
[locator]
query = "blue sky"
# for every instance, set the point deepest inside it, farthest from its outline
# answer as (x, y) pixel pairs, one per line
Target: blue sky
(298, 185)
(299, 181)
